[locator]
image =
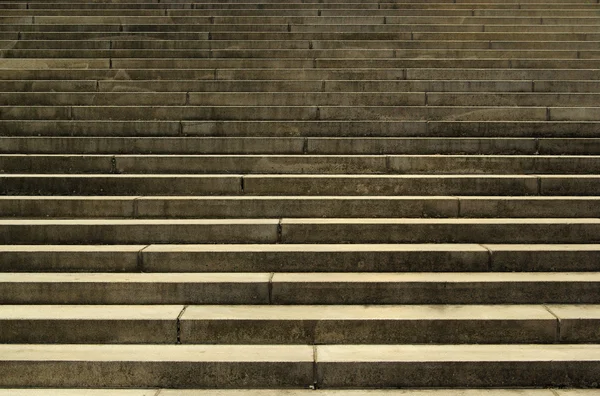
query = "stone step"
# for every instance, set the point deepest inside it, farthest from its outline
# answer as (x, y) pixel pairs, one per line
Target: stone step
(255, 324)
(427, 46)
(300, 288)
(389, 324)
(30, 85)
(335, 129)
(412, 75)
(297, 145)
(300, 230)
(299, 113)
(341, 185)
(369, 185)
(337, 53)
(523, 230)
(157, 365)
(294, 145)
(306, 392)
(291, 98)
(299, 258)
(292, 366)
(297, 206)
(299, 164)
(43, 8)
(293, 63)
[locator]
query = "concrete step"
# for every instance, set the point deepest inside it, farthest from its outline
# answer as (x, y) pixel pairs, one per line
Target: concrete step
(157, 365)
(294, 145)
(255, 324)
(437, 230)
(77, 70)
(291, 98)
(297, 206)
(296, 86)
(300, 113)
(135, 288)
(307, 63)
(337, 128)
(331, 185)
(302, 230)
(424, 45)
(337, 53)
(178, 145)
(300, 288)
(306, 392)
(298, 164)
(389, 324)
(89, 324)
(299, 258)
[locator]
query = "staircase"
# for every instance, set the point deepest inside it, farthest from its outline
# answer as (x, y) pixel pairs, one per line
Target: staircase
(302, 194)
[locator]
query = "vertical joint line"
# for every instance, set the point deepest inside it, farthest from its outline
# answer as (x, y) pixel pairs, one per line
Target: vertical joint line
(305, 146)
(558, 335)
(270, 287)
(426, 99)
(242, 184)
(113, 164)
(97, 85)
(187, 98)
(179, 324)
(310, 44)
(318, 12)
(385, 20)
(315, 371)
(140, 259)
(135, 208)
(318, 113)
(548, 116)
(110, 65)
(180, 131)
(532, 85)
(489, 257)
(458, 207)
(322, 85)
(279, 231)
(539, 185)
(538, 144)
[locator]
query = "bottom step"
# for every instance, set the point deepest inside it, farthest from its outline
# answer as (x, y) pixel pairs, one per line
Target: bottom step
(299, 366)
(307, 392)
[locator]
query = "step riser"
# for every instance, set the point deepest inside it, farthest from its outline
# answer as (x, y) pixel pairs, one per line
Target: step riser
(296, 208)
(170, 374)
(303, 293)
(280, 332)
(469, 258)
